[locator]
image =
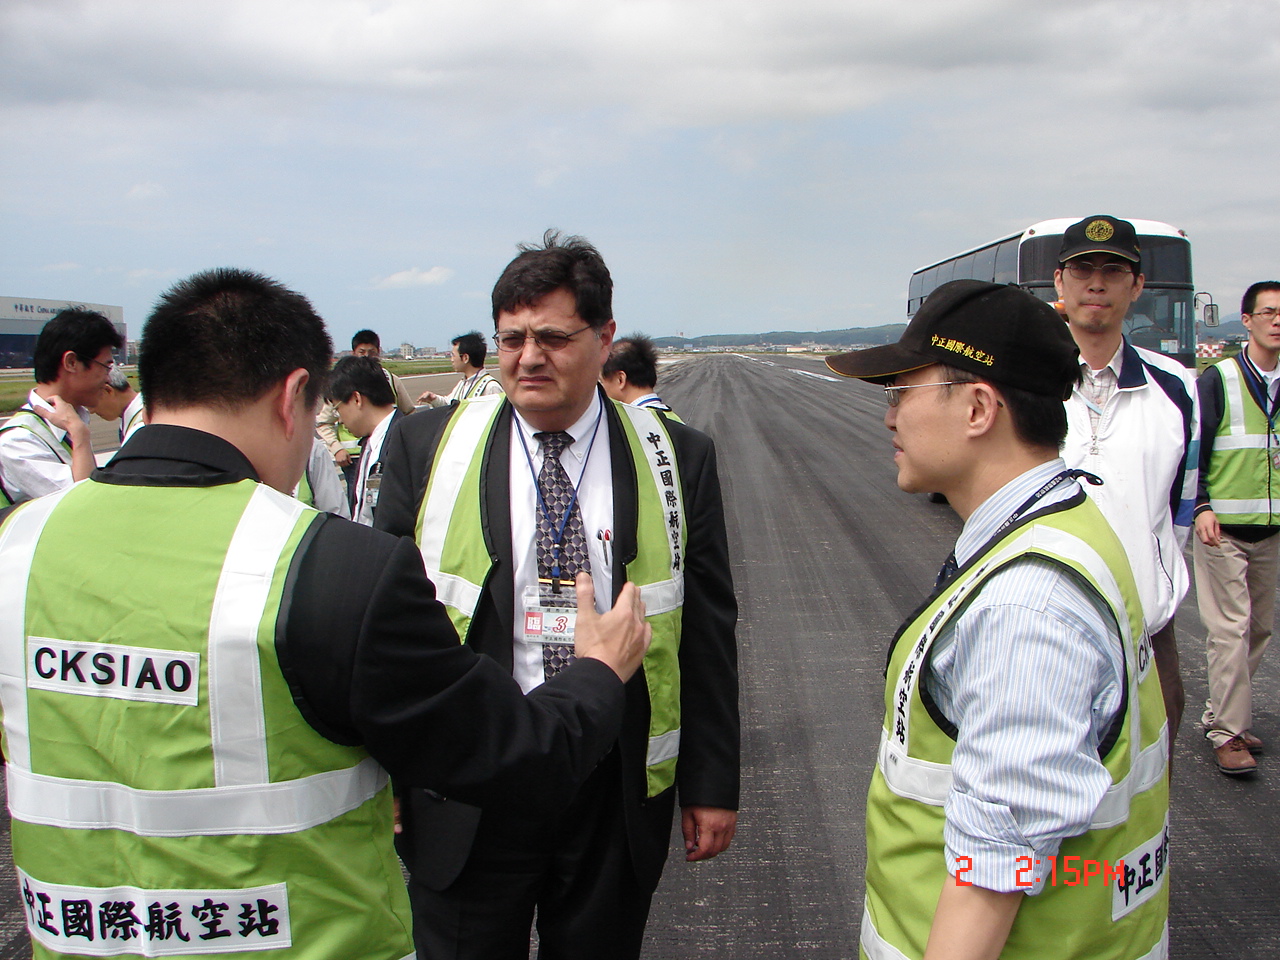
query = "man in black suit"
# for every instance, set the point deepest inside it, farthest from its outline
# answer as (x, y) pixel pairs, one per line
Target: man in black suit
(637, 499)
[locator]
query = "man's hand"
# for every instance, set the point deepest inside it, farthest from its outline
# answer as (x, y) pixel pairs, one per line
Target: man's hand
(342, 458)
(708, 831)
(64, 416)
(619, 637)
(427, 397)
(1208, 529)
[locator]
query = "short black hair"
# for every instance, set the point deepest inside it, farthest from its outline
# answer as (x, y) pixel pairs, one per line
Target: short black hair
(366, 336)
(83, 332)
(1250, 299)
(225, 337)
(363, 375)
(472, 346)
(560, 263)
(1039, 420)
(637, 357)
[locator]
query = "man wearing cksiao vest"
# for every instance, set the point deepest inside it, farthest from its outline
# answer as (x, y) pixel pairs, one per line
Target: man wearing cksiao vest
(199, 718)
(1023, 752)
(506, 494)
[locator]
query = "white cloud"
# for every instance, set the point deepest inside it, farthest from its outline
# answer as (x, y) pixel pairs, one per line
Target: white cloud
(62, 267)
(413, 277)
(146, 191)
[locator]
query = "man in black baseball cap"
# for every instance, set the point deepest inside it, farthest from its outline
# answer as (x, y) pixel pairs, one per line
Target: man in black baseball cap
(1133, 421)
(1014, 694)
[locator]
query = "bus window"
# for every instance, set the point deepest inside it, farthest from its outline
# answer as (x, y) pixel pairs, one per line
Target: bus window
(1039, 258)
(964, 268)
(1007, 261)
(1166, 259)
(984, 264)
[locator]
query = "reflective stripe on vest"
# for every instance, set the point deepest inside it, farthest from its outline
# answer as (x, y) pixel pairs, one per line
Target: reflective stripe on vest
(26, 419)
(1243, 482)
(458, 562)
(906, 863)
(292, 845)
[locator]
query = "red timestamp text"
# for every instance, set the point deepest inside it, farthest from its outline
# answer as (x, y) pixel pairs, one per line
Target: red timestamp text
(1070, 871)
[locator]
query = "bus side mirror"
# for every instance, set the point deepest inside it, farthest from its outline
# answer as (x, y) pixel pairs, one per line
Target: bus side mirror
(1209, 315)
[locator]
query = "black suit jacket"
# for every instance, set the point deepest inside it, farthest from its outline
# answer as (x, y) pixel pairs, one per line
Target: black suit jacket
(707, 771)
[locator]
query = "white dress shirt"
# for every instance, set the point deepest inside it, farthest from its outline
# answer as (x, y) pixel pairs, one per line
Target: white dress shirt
(594, 475)
(31, 467)
(366, 494)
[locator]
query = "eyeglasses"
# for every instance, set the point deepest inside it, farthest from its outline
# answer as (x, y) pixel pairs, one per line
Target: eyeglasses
(1085, 269)
(1268, 314)
(891, 391)
(547, 340)
(105, 366)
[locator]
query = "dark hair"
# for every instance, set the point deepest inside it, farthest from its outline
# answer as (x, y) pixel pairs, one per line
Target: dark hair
(472, 346)
(561, 263)
(635, 356)
(225, 337)
(1251, 295)
(366, 336)
(83, 332)
(363, 375)
(1039, 420)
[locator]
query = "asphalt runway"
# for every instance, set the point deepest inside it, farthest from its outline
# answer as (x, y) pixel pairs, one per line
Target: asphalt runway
(829, 557)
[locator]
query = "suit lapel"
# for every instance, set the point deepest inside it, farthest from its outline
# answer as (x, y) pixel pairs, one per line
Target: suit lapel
(495, 519)
(624, 497)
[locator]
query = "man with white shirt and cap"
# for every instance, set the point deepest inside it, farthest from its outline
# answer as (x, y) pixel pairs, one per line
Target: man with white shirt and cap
(1023, 725)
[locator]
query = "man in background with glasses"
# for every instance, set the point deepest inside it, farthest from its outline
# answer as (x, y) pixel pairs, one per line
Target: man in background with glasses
(1236, 551)
(45, 446)
(509, 497)
(1024, 728)
(1134, 421)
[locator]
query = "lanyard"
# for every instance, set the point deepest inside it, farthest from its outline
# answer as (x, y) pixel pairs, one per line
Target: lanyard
(558, 535)
(468, 384)
(1043, 492)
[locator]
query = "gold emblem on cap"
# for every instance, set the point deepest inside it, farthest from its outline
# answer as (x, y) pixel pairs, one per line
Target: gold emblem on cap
(1099, 231)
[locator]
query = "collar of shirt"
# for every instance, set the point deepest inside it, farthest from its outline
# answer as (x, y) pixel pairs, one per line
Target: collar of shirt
(1115, 364)
(35, 400)
(997, 508)
(1270, 377)
(581, 431)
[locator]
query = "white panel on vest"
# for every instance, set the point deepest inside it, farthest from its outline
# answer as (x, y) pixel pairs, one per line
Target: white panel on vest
(116, 921)
(112, 670)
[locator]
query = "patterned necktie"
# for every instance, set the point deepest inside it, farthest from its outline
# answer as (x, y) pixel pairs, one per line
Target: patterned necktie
(557, 494)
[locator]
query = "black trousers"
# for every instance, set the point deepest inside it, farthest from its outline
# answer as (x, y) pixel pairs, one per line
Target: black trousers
(578, 877)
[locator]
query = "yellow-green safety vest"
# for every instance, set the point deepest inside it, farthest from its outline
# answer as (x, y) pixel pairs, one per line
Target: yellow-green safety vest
(168, 798)
(1243, 481)
(906, 862)
(450, 535)
(26, 419)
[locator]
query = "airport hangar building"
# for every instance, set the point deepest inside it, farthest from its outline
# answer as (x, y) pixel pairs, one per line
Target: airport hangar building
(22, 319)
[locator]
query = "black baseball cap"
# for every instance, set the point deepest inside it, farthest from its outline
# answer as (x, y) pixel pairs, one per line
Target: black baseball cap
(1100, 234)
(999, 332)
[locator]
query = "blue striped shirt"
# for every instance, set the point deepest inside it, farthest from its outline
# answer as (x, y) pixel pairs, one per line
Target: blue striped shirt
(1031, 675)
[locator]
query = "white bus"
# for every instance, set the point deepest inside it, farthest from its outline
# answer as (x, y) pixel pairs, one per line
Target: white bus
(1162, 318)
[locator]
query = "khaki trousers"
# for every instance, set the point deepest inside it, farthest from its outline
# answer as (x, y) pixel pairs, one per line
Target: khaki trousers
(1236, 590)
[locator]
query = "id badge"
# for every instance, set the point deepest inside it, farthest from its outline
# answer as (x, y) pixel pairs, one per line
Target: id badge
(549, 617)
(372, 485)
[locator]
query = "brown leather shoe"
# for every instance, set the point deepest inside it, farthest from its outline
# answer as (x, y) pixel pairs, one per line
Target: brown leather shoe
(1252, 742)
(1234, 757)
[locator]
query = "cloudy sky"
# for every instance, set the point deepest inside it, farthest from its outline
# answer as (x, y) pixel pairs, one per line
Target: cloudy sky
(743, 165)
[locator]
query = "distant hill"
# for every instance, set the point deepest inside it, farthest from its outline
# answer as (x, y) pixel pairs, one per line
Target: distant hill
(889, 333)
